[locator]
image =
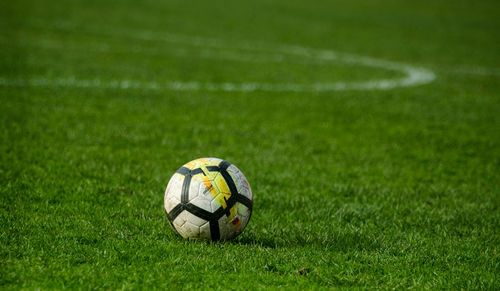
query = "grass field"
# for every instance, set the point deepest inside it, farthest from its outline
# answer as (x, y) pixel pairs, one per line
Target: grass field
(355, 185)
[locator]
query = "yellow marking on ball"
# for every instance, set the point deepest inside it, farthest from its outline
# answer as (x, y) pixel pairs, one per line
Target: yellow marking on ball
(210, 187)
(216, 185)
(198, 163)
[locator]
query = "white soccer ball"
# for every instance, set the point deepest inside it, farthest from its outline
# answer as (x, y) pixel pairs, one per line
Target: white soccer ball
(208, 199)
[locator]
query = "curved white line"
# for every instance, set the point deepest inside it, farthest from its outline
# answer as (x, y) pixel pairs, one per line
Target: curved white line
(413, 76)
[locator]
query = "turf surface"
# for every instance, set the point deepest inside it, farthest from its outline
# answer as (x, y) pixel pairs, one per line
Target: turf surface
(370, 188)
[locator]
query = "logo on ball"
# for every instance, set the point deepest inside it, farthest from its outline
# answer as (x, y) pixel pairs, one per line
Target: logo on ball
(208, 198)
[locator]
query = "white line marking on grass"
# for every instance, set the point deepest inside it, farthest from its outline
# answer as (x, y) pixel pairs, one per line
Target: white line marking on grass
(413, 76)
(482, 71)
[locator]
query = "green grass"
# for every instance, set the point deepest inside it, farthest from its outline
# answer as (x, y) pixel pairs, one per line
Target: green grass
(389, 189)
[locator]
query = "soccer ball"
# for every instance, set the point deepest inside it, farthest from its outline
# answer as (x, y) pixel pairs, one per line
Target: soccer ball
(208, 199)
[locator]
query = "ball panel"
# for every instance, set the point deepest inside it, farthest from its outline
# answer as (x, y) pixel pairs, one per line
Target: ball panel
(236, 223)
(174, 186)
(173, 192)
(241, 181)
(225, 231)
(244, 213)
(203, 202)
(188, 225)
(194, 187)
(205, 231)
(193, 219)
(246, 192)
(189, 230)
(229, 228)
(170, 202)
(179, 220)
(210, 185)
(214, 204)
(200, 195)
(213, 161)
